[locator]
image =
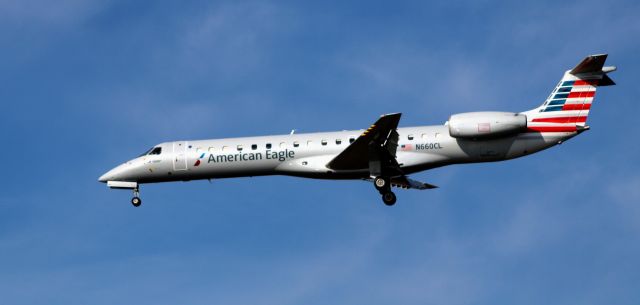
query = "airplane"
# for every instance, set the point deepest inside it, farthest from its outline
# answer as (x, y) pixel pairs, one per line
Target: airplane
(383, 154)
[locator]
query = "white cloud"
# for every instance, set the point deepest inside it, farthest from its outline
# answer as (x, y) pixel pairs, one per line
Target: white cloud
(202, 274)
(231, 39)
(447, 272)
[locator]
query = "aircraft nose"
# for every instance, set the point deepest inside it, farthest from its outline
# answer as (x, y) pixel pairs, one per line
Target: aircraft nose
(114, 174)
(103, 178)
(110, 175)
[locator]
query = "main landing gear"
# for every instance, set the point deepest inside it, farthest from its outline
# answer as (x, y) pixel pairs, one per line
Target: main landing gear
(136, 201)
(389, 198)
(383, 185)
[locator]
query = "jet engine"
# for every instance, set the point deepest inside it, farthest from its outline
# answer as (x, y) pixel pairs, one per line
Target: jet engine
(482, 125)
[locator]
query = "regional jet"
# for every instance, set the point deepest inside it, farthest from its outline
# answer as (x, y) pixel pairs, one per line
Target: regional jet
(383, 154)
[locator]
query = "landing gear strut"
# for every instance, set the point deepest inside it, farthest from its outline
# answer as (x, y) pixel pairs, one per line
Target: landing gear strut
(136, 201)
(383, 186)
(381, 183)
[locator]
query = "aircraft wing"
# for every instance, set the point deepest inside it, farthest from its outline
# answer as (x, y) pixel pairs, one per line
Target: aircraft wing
(381, 137)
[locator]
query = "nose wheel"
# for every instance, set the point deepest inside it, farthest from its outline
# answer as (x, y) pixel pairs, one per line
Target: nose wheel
(136, 201)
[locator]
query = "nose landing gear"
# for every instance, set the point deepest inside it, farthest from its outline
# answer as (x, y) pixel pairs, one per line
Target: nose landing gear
(136, 201)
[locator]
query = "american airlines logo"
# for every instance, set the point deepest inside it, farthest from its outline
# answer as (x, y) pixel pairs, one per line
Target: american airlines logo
(198, 161)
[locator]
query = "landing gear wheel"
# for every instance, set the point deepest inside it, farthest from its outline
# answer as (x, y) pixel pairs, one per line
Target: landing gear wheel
(389, 198)
(136, 201)
(380, 183)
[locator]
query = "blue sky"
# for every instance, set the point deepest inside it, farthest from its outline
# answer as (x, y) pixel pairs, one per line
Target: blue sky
(89, 84)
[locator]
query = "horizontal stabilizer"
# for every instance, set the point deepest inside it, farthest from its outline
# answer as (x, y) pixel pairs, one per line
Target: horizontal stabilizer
(591, 64)
(606, 81)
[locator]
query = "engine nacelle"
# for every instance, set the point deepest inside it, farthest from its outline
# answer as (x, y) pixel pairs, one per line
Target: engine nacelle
(477, 125)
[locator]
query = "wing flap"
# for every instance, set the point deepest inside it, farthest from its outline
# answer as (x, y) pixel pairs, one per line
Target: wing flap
(406, 182)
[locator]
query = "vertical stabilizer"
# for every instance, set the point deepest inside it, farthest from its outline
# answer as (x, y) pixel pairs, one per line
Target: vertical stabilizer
(568, 106)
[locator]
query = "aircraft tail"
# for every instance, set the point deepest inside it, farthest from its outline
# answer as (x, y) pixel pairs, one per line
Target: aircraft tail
(567, 108)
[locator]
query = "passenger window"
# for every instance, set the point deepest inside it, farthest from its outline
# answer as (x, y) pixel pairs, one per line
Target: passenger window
(351, 140)
(338, 141)
(424, 135)
(225, 148)
(283, 145)
(239, 147)
(296, 144)
(268, 145)
(410, 137)
(323, 142)
(437, 134)
(309, 143)
(211, 149)
(254, 146)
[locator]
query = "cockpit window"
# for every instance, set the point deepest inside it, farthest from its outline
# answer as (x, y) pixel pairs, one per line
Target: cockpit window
(146, 152)
(152, 151)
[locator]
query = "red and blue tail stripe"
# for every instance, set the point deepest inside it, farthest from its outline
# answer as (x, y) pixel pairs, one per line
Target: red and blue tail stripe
(566, 108)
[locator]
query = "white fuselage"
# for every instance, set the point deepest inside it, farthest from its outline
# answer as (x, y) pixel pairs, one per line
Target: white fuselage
(307, 155)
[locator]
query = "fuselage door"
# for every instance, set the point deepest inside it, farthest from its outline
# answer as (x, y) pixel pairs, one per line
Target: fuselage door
(180, 155)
